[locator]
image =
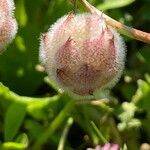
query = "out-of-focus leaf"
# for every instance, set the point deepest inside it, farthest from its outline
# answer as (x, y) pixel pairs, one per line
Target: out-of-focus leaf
(34, 128)
(144, 54)
(127, 90)
(23, 138)
(43, 109)
(13, 120)
(127, 117)
(111, 4)
(124, 147)
(145, 13)
(12, 146)
(147, 77)
(142, 95)
(21, 13)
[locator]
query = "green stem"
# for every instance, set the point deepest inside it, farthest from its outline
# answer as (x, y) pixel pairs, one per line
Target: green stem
(8, 96)
(99, 134)
(54, 125)
(65, 133)
(115, 133)
(52, 84)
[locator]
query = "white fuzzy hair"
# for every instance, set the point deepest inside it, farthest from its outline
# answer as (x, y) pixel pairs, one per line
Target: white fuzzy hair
(76, 29)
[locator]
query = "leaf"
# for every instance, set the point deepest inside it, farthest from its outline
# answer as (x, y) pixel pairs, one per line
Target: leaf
(143, 55)
(142, 95)
(43, 109)
(35, 129)
(21, 13)
(12, 146)
(23, 139)
(13, 120)
(114, 4)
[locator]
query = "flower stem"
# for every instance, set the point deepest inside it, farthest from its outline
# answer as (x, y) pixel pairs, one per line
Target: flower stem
(65, 133)
(54, 125)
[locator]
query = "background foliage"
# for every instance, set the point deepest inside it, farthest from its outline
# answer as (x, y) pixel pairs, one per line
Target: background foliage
(40, 117)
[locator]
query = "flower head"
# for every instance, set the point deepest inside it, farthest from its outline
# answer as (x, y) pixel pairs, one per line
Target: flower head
(82, 54)
(8, 25)
(107, 146)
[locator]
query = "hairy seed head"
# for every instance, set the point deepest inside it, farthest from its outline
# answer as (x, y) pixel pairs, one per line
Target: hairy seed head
(8, 25)
(82, 54)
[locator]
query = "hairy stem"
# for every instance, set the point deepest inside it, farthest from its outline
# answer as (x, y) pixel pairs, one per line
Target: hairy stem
(123, 29)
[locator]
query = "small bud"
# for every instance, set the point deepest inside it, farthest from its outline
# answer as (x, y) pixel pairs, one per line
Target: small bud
(8, 25)
(82, 54)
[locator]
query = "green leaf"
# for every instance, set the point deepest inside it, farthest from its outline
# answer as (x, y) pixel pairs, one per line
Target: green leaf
(143, 55)
(13, 120)
(23, 138)
(21, 13)
(147, 77)
(114, 4)
(43, 109)
(35, 129)
(142, 95)
(12, 146)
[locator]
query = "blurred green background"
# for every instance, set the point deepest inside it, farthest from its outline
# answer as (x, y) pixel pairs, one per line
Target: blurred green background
(52, 120)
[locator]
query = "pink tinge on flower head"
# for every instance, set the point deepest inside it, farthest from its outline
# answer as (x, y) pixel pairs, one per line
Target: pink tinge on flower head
(98, 147)
(107, 146)
(82, 54)
(7, 6)
(6, 10)
(8, 25)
